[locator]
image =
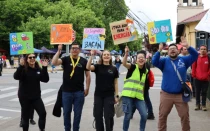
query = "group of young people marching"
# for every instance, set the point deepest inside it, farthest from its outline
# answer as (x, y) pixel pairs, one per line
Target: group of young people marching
(75, 69)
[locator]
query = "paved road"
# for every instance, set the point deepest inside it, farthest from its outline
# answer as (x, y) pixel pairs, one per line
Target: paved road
(9, 104)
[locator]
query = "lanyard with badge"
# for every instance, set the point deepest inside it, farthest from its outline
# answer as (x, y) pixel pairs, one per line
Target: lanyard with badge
(74, 65)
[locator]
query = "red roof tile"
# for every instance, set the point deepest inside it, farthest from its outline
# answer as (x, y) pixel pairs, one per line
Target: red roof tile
(194, 18)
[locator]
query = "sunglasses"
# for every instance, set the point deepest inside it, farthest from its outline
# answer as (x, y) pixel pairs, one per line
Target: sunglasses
(32, 57)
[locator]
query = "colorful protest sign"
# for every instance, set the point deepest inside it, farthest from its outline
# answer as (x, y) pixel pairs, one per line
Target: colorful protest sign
(93, 39)
(159, 31)
(21, 43)
(62, 34)
(204, 24)
(123, 31)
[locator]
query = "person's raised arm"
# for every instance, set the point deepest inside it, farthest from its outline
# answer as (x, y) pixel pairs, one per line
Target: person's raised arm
(156, 60)
(56, 61)
(89, 66)
(127, 65)
(18, 75)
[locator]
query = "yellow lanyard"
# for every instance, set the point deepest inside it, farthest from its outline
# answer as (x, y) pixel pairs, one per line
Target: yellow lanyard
(74, 65)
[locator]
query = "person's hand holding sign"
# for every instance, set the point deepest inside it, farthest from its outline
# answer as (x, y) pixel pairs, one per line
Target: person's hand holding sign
(92, 52)
(22, 62)
(126, 50)
(60, 48)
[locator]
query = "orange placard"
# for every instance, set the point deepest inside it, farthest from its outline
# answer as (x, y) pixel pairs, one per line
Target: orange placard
(61, 34)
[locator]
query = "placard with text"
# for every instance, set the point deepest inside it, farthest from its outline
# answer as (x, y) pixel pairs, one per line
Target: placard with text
(123, 31)
(21, 43)
(93, 39)
(159, 31)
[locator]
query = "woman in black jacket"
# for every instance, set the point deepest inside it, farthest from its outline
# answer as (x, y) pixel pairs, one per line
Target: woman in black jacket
(29, 75)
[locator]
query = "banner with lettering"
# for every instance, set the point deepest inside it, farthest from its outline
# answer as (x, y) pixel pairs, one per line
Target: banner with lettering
(21, 43)
(93, 39)
(159, 31)
(62, 34)
(123, 31)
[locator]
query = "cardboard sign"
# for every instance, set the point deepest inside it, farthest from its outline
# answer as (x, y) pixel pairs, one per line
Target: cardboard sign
(62, 34)
(159, 31)
(123, 31)
(93, 39)
(204, 24)
(21, 43)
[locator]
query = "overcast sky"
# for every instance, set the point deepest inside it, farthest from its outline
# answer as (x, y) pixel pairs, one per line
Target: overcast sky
(158, 10)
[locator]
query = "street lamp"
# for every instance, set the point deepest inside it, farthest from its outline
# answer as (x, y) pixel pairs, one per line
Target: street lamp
(145, 15)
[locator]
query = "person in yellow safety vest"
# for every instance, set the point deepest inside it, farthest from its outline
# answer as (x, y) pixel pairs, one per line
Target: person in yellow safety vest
(133, 90)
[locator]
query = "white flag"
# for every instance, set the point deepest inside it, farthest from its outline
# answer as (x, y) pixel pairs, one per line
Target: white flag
(204, 24)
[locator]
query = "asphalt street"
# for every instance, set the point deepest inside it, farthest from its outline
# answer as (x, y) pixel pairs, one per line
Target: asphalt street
(9, 103)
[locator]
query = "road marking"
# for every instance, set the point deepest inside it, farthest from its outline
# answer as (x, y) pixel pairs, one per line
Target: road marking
(10, 110)
(8, 94)
(50, 99)
(43, 92)
(8, 88)
(4, 118)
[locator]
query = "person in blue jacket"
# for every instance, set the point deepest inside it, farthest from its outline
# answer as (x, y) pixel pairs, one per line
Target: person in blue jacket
(171, 88)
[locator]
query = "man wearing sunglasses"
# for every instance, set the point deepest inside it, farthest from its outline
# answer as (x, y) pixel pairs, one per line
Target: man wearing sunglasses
(73, 93)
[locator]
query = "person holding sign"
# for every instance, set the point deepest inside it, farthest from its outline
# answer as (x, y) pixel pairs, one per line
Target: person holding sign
(29, 75)
(133, 90)
(73, 93)
(106, 91)
(172, 92)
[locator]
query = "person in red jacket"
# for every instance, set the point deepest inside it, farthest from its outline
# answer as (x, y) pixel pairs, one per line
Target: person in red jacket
(201, 73)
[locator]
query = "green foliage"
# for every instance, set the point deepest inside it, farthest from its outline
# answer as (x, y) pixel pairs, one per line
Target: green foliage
(37, 16)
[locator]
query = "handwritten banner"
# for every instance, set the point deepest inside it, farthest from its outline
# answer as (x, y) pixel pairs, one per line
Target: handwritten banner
(62, 34)
(21, 43)
(159, 31)
(93, 39)
(123, 31)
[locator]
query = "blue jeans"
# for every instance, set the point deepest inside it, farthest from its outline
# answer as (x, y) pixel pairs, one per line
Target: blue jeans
(118, 66)
(75, 99)
(128, 104)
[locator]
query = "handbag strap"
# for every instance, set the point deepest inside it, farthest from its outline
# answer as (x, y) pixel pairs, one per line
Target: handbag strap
(177, 72)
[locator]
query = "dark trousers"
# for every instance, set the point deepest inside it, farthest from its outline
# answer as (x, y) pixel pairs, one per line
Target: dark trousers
(38, 105)
(201, 88)
(31, 116)
(104, 106)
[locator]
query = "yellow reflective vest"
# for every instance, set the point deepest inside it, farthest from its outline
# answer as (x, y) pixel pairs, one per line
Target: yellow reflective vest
(133, 87)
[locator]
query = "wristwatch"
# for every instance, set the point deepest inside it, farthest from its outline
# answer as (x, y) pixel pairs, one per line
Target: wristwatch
(117, 96)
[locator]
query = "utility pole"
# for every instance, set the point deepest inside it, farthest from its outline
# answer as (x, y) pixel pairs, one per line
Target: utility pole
(67, 49)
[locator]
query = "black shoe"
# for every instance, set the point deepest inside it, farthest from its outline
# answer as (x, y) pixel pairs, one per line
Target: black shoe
(32, 122)
(21, 124)
(42, 129)
(151, 117)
